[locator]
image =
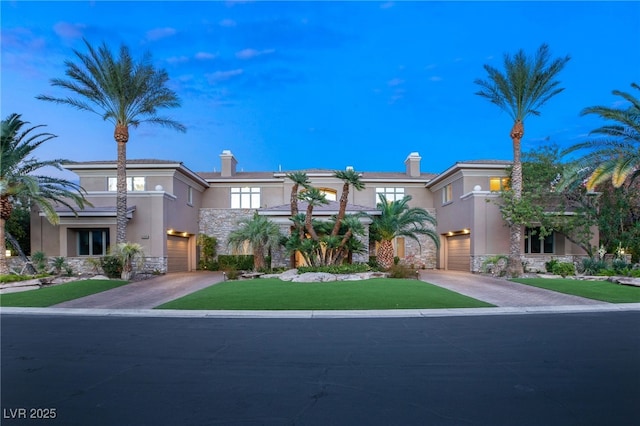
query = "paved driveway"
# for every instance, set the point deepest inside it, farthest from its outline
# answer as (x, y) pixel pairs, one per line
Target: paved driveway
(149, 293)
(501, 292)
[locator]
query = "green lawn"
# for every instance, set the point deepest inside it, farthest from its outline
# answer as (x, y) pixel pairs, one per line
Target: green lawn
(274, 294)
(49, 296)
(598, 290)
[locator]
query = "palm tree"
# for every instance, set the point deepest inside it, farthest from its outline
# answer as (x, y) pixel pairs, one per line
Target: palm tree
(397, 219)
(314, 197)
(261, 234)
(124, 92)
(526, 84)
(299, 179)
(18, 183)
(349, 178)
(617, 156)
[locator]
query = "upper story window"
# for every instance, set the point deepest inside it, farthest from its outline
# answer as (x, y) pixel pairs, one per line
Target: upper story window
(133, 183)
(533, 243)
(447, 194)
(329, 194)
(190, 196)
(245, 198)
(392, 194)
(498, 184)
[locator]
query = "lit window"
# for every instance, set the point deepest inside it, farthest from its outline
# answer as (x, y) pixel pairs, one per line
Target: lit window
(534, 244)
(329, 194)
(392, 194)
(498, 184)
(92, 242)
(447, 194)
(245, 198)
(133, 184)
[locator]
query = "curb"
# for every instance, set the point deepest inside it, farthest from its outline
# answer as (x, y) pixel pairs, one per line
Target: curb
(319, 314)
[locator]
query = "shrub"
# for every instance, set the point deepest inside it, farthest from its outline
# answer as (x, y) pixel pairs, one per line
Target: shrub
(550, 264)
(400, 271)
(373, 262)
(242, 262)
(346, 268)
(593, 266)
(59, 263)
(208, 252)
(232, 274)
(39, 260)
(620, 266)
(496, 265)
(564, 269)
(112, 266)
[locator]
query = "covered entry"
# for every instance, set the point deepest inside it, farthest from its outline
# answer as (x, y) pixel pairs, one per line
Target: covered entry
(177, 253)
(459, 253)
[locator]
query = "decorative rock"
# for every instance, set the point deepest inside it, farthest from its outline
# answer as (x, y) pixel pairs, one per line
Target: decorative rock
(285, 276)
(314, 277)
(98, 277)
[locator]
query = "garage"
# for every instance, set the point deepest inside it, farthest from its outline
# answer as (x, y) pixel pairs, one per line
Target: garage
(459, 253)
(177, 253)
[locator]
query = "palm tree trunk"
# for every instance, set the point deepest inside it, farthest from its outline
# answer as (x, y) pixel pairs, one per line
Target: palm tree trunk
(29, 267)
(258, 258)
(121, 137)
(514, 268)
(4, 267)
(344, 198)
(385, 254)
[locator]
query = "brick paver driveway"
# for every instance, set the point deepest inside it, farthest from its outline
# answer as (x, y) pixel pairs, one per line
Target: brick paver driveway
(149, 293)
(501, 292)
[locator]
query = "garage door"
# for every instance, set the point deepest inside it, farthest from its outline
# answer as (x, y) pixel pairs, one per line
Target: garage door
(178, 254)
(459, 253)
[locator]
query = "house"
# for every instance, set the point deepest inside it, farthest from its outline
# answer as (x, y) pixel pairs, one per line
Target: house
(169, 205)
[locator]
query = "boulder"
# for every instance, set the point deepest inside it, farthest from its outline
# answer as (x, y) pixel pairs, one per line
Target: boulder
(286, 275)
(313, 277)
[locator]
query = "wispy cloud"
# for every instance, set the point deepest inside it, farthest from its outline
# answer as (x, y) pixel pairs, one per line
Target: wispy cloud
(253, 53)
(178, 59)
(160, 33)
(67, 30)
(228, 23)
(395, 82)
(219, 76)
(435, 78)
(387, 5)
(203, 56)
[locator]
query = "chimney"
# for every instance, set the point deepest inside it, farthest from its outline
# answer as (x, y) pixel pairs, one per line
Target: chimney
(413, 164)
(229, 163)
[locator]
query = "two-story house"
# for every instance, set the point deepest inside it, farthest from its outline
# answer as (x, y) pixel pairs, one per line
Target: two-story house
(169, 205)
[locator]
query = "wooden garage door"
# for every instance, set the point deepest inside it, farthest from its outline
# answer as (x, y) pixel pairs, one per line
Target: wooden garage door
(459, 253)
(178, 254)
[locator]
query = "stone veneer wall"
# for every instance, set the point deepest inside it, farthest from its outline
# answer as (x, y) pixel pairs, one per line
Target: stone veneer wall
(532, 263)
(220, 222)
(423, 255)
(82, 265)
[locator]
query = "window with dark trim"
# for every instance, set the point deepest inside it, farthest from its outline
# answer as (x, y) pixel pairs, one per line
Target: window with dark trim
(535, 245)
(92, 242)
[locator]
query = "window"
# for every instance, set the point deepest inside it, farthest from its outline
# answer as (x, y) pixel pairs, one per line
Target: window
(392, 194)
(447, 194)
(190, 196)
(498, 184)
(533, 244)
(133, 184)
(92, 242)
(330, 194)
(245, 198)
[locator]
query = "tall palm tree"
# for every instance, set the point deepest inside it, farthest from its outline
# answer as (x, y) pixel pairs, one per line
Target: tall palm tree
(122, 91)
(617, 155)
(18, 183)
(262, 234)
(349, 178)
(397, 219)
(298, 178)
(525, 85)
(314, 197)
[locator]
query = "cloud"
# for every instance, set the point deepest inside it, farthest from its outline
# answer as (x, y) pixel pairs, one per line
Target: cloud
(177, 59)
(395, 82)
(435, 78)
(67, 30)
(253, 53)
(205, 55)
(228, 23)
(159, 33)
(219, 76)
(387, 5)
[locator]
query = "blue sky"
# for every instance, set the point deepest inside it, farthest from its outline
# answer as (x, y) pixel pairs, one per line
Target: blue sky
(296, 85)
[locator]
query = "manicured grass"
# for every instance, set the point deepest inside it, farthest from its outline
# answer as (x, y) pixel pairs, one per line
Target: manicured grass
(49, 296)
(598, 290)
(274, 294)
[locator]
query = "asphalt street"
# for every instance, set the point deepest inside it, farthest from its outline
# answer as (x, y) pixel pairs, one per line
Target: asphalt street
(544, 369)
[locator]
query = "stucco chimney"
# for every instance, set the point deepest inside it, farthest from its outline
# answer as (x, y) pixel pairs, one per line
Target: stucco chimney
(413, 164)
(229, 163)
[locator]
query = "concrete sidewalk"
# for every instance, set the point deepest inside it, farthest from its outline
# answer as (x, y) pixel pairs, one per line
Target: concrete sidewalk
(501, 292)
(149, 293)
